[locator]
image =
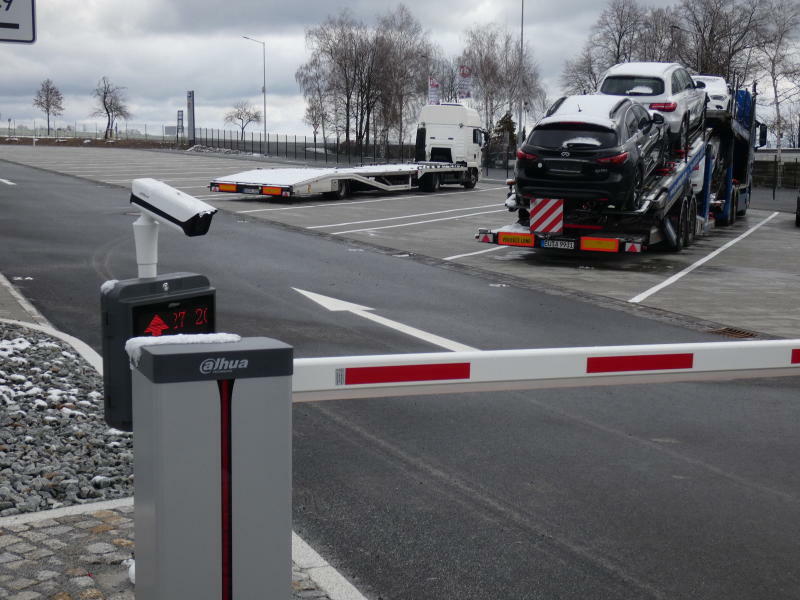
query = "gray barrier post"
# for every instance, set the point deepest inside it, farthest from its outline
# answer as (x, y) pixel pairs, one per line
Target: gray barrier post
(212, 460)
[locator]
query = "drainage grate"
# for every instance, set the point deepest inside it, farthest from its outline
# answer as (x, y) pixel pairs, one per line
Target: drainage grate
(734, 333)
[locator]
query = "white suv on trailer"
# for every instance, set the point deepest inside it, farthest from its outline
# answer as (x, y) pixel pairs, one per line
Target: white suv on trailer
(663, 87)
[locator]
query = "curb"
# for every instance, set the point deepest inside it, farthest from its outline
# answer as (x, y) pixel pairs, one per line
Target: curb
(328, 579)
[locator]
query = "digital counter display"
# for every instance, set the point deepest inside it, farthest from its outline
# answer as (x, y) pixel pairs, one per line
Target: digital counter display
(192, 315)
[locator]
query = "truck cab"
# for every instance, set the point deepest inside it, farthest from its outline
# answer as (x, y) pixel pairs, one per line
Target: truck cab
(449, 133)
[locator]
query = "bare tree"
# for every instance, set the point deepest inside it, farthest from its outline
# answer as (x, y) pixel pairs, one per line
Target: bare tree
(406, 56)
(313, 81)
(616, 31)
(111, 104)
(714, 36)
(778, 58)
(242, 114)
(314, 116)
(581, 75)
(656, 41)
(49, 100)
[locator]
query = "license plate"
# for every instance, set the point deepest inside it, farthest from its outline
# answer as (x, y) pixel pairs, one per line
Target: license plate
(251, 190)
(560, 244)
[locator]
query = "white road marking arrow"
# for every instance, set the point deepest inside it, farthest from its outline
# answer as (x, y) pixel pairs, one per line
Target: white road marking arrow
(7, 182)
(336, 305)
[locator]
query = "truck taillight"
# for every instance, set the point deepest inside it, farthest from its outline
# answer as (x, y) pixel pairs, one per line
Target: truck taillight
(617, 159)
(664, 106)
(525, 156)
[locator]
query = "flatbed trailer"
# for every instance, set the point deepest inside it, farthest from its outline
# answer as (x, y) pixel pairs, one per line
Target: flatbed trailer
(704, 186)
(340, 182)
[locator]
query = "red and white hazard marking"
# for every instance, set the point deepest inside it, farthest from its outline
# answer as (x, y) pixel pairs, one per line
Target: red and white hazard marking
(547, 215)
(452, 372)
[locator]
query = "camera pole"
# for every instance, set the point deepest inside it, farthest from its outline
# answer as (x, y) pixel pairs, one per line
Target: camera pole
(145, 236)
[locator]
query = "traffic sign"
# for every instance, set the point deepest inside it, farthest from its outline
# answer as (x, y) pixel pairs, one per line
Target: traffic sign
(18, 21)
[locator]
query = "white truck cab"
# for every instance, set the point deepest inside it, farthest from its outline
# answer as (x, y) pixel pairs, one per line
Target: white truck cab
(449, 133)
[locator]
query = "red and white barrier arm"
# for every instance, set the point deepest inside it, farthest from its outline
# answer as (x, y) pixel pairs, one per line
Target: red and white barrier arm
(454, 372)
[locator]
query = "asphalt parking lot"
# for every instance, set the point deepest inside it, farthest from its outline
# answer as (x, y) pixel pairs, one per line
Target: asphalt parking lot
(744, 277)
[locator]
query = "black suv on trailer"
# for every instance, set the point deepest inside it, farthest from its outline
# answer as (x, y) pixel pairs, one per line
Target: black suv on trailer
(592, 149)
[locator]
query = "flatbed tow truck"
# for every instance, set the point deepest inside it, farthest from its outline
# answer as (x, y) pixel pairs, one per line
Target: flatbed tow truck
(705, 185)
(448, 151)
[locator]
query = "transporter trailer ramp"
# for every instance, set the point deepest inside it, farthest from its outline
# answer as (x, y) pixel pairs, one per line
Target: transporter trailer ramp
(341, 182)
(706, 185)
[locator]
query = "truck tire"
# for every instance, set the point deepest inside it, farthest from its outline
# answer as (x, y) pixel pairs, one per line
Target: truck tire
(691, 223)
(342, 191)
(470, 179)
(678, 221)
(430, 183)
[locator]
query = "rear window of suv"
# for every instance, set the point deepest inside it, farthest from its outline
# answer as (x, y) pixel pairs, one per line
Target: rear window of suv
(631, 85)
(572, 135)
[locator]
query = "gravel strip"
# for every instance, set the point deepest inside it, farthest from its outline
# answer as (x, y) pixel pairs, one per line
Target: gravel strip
(55, 448)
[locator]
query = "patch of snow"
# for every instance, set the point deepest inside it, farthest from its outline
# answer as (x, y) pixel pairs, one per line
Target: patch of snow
(641, 89)
(582, 141)
(108, 286)
(134, 345)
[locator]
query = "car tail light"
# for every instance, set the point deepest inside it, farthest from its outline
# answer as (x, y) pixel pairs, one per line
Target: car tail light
(525, 156)
(617, 159)
(664, 106)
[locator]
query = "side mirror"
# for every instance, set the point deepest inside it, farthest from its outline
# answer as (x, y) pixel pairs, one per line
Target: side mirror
(658, 119)
(700, 85)
(762, 135)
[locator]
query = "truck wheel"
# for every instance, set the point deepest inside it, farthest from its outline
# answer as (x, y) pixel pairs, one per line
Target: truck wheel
(691, 223)
(471, 179)
(342, 191)
(678, 221)
(430, 183)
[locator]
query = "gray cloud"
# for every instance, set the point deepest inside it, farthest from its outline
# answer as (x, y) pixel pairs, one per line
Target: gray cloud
(158, 49)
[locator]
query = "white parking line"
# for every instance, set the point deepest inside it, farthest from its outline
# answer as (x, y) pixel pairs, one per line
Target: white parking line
(492, 249)
(385, 199)
(7, 182)
(438, 212)
(485, 212)
(646, 294)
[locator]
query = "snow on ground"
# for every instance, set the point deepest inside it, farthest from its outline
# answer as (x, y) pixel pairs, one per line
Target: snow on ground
(55, 447)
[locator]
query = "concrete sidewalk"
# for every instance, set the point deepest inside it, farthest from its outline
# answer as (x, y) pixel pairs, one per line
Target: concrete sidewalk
(83, 552)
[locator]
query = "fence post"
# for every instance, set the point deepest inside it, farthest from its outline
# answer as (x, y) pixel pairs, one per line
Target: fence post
(267, 143)
(775, 176)
(286, 143)
(305, 148)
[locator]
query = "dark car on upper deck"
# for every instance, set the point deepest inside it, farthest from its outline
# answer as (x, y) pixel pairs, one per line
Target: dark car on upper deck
(592, 149)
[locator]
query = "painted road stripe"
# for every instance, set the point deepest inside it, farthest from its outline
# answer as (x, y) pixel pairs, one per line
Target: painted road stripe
(457, 256)
(384, 199)
(438, 212)
(485, 212)
(403, 373)
(644, 362)
(646, 294)
(7, 182)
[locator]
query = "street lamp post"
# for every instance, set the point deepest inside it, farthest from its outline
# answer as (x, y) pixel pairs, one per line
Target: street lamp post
(263, 87)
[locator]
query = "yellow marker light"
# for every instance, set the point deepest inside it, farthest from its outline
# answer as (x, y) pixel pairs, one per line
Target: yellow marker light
(227, 187)
(599, 244)
(271, 191)
(514, 239)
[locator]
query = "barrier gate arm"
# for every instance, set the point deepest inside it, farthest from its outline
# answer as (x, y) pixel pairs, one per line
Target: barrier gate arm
(494, 370)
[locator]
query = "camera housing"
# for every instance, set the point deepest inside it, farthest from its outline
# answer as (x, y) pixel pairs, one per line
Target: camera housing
(165, 204)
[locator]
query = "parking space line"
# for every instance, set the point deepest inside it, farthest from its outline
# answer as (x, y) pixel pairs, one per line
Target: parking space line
(492, 249)
(438, 212)
(646, 294)
(485, 212)
(7, 182)
(384, 199)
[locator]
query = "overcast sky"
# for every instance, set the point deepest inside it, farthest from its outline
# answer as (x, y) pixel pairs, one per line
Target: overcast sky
(158, 49)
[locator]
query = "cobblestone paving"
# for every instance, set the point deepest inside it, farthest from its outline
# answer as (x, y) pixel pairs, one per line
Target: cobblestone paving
(83, 557)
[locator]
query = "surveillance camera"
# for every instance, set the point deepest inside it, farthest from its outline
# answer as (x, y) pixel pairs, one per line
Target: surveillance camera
(168, 205)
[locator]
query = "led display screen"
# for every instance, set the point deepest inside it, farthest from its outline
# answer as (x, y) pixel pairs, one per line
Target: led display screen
(191, 315)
